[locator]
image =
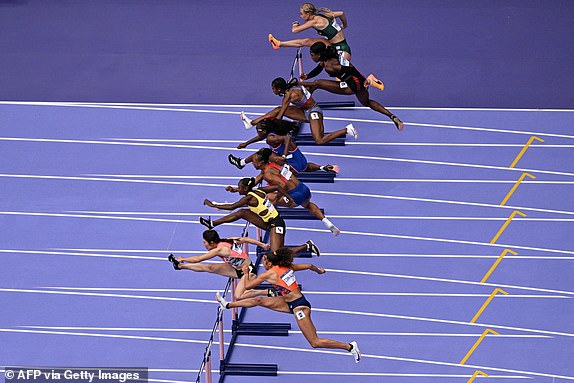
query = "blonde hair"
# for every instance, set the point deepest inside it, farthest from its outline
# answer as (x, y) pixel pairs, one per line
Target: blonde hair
(310, 8)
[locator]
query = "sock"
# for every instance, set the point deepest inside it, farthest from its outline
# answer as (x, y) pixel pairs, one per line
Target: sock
(351, 349)
(322, 168)
(242, 162)
(326, 222)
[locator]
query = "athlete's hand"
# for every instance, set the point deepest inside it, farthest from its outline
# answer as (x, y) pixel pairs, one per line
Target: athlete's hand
(303, 76)
(266, 246)
(242, 145)
(321, 270)
(207, 202)
(180, 259)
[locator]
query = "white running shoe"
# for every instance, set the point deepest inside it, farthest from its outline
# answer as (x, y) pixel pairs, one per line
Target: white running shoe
(246, 120)
(314, 249)
(356, 352)
(222, 302)
(351, 131)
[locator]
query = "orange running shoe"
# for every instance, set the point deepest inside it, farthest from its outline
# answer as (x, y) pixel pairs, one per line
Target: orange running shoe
(373, 81)
(274, 42)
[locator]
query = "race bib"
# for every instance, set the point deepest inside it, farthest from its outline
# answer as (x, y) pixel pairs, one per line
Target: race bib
(343, 85)
(268, 205)
(314, 116)
(342, 60)
(286, 171)
(288, 277)
(335, 25)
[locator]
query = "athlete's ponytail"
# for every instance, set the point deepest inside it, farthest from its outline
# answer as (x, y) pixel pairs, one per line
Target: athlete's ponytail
(281, 84)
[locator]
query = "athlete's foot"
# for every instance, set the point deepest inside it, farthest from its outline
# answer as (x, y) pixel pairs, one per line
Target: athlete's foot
(235, 161)
(335, 230)
(398, 123)
(332, 168)
(355, 351)
(173, 261)
(274, 42)
(222, 302)
(206, 222)
(246, 120)
(314, 249)
(351, 131)
(373, 81)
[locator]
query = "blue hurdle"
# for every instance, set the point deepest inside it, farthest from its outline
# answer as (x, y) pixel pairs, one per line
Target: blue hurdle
(317, 177)
(296, 213)
(306, 139)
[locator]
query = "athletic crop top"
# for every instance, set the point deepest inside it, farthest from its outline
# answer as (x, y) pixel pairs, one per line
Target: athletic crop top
(287, 282)
(331, 29)
(264, 208)
(237, 256)
(284, 171)
(302, 103)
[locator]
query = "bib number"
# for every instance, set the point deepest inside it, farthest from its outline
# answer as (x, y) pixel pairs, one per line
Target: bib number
(335, 25)
(289, 278)
(314, 116)
(286, 171)
(343, 85)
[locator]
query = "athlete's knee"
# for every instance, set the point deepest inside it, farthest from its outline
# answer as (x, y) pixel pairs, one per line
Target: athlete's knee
(315, 343)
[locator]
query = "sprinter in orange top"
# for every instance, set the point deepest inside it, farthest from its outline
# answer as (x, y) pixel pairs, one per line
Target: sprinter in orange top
(289, 299)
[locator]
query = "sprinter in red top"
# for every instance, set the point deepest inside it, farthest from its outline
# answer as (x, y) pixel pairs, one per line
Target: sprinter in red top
(230, 250)
(289, 299)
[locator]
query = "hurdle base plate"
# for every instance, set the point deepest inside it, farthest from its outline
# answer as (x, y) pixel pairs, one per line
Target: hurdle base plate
(317, 177)
(296, 213)
(249, 369)
(306, 139)
(261, 329)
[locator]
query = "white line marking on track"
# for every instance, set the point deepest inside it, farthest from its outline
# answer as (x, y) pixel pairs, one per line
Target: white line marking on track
(397, 217)
(267, 347)
(365, 254)
(163, 108)
(379, 196)
(398, 180)
(396, 236)
(208, 330)
(210, 301)
(408, 160)
(460, 281)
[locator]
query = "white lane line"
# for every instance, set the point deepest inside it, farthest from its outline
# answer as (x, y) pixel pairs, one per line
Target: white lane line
(446, 280)
(363, 293)
(410, 255)
(53, 103)
(397, 217)
(407, 160)
(267, 347)
(401, 276)
(333, 311)
(385, 122)
(208, 330)
(396, 236)
(379, 196)
(371, 143)
(106, 295)
(402, 359)
(398, 180)
(445, 321)
(336, 311)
